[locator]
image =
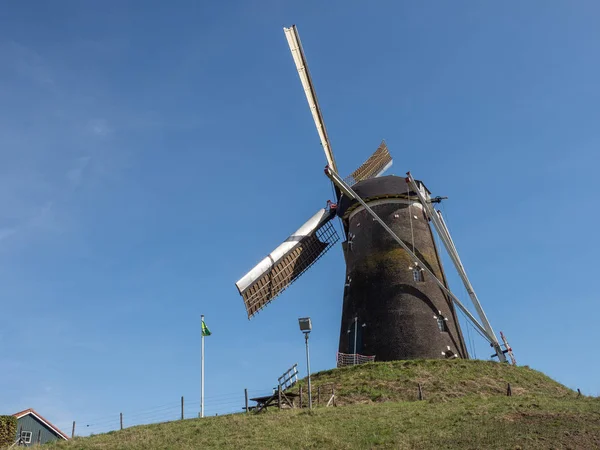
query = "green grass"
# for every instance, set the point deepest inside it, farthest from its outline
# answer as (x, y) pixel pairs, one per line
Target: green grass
(441, 380)
(470, 422)
(465, 407)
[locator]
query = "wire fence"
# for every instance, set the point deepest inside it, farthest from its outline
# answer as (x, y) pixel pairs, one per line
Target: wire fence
(323, 395)
(219, 404)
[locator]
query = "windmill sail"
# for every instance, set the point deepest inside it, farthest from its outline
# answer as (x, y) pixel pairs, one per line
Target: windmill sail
(293, 39)
(373, 167)
(287, 262)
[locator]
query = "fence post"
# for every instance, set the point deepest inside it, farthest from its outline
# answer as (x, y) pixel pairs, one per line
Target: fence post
(300, 391)
(121, 419)
(420, 392)
(279, 396)
(182, 416)
(318, 395)
(246, 396)
(333, 393)
(508, 390)
(73, 431)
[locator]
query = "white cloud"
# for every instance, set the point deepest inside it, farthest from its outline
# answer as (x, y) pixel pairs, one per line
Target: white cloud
(75, 174)
(99, 127)
(26, 63)
(6, 232)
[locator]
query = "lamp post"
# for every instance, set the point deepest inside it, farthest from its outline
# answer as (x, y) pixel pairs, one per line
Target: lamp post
(306, 327)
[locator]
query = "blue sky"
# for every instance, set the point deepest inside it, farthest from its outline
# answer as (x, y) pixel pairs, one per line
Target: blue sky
(149, 156)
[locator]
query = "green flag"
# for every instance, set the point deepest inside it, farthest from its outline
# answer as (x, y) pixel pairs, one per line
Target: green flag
(205, 330)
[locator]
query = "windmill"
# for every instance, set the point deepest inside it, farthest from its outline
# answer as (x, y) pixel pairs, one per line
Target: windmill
(395, 285)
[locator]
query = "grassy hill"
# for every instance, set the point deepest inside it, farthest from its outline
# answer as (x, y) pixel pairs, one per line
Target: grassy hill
(441, 380)
(465, 407)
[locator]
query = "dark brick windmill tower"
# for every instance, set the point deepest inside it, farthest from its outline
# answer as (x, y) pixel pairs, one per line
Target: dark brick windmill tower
(392, 309)
(397, 304)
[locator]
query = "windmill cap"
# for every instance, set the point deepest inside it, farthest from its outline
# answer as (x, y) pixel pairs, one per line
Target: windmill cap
(389, 186)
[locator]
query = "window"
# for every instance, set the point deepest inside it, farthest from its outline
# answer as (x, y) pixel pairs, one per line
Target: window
(441, 322)
(26, 437)
(350, 240)
(418, 275)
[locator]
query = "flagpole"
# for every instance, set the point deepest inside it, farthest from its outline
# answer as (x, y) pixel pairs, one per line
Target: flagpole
(202, 370)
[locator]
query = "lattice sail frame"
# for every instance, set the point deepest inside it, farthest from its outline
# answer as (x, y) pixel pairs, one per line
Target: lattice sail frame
(288, 262)
(377, 163)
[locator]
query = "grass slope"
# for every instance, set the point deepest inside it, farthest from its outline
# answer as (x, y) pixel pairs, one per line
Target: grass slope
(465, 408)
(466, 423)
(440, 379)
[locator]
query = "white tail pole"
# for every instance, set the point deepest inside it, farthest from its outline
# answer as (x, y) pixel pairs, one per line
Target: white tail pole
(444, 234)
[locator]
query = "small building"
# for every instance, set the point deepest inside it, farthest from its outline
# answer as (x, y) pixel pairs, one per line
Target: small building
(33, 429)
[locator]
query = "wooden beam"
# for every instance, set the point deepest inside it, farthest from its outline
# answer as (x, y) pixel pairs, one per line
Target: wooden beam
(287, 400)
(279, 396)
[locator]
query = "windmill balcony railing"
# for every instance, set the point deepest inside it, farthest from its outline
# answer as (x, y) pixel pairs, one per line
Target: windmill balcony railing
(351, 359)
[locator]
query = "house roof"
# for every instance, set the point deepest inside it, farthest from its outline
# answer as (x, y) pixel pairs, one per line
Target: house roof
(41, 419)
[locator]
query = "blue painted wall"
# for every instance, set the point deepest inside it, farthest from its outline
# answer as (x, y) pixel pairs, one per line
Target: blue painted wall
(38, 430)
